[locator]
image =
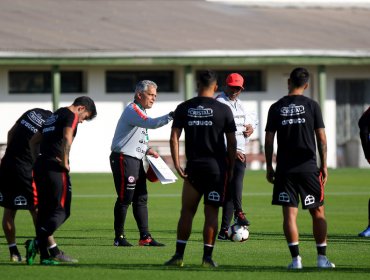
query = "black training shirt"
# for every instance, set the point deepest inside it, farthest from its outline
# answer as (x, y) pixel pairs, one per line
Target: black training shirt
(205, 121)
(51, 145)
(26, 126)
(295, 119)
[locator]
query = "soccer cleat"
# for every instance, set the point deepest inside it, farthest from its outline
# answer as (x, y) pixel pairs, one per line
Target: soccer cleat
(208, 262)
(149, 241)
(31, 251)
(296, 263)
(48, 262)
(16, 258)
(323, 262)
(176, 260)
(365, 233)
(240, 219)
(61, 257)
(121, 241)
(223, 235)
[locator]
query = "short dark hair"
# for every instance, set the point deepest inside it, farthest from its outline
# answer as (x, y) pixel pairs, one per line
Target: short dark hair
(88, 103)
(299, 77)
(206, 78)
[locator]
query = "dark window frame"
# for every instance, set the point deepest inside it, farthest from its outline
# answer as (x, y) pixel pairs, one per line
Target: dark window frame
(40, 81)
(124, 81)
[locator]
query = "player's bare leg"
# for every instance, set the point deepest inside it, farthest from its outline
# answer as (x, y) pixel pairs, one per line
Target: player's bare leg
(190, 201)
(292, 236)
(209, 234)
(9, 232)
(290, 224)
(319, 228)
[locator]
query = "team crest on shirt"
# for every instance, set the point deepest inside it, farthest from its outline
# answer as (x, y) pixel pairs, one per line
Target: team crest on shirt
(214, 196)
(310, 199)
(20, 201)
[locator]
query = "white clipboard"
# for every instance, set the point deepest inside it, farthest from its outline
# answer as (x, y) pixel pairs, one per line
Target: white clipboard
(161, 170)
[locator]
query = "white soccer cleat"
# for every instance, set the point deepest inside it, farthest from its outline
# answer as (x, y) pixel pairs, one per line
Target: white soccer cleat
(323, 262)
(365, 233)
(296, 263)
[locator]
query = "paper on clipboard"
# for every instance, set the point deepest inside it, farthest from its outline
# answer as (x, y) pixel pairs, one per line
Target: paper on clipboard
(161, 170)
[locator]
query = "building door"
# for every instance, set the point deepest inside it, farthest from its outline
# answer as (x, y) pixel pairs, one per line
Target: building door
(352, 99)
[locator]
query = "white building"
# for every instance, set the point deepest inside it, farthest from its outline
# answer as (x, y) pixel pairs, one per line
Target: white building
(53, 50)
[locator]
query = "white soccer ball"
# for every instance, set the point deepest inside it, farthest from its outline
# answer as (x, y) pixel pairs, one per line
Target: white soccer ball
(238, 233)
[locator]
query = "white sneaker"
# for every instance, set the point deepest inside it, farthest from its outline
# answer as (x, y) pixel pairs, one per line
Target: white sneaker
(296, 263)
(365, 233)
(323, 262)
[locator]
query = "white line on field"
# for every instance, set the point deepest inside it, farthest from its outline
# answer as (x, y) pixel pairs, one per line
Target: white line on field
(244, 194)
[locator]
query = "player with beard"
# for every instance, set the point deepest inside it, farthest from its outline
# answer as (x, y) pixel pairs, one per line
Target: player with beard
(51, 173)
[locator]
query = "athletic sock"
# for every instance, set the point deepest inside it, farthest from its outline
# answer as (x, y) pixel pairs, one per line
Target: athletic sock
(294, 249)
(321, 249)
(180, 247)
(13, 249)
(54, 250)
(207, 250)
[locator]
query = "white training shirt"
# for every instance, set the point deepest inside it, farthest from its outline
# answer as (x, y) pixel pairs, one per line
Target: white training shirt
(242, 117)
(131, 135)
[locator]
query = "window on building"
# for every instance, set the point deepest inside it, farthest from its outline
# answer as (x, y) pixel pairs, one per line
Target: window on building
(125, 81)
(253, 79)
(40, 82)
(72, 82)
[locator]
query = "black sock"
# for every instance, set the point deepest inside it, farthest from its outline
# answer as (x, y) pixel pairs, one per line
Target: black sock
(294, 250)
(42, 244)
(207, 251)
(144, 235)
(13, 250)
(321, 250)
(180, 247)
(54, 251)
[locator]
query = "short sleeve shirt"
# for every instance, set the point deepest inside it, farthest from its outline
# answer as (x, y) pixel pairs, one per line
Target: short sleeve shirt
(51, 145)
(295, 119)
(205, 121)
(27, 125)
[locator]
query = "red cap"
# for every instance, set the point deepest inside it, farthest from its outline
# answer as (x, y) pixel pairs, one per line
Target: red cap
(235, 80)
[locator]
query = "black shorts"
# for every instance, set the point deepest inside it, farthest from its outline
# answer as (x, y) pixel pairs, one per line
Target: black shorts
(288, 188)
(208, 177)
(16, 188)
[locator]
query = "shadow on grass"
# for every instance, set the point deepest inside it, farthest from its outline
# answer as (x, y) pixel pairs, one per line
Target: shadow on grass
(194, 267)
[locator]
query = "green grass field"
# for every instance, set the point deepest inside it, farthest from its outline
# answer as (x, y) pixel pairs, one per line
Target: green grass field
(88, 235)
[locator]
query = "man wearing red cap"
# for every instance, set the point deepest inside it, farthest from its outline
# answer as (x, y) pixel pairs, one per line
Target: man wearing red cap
(246, 122)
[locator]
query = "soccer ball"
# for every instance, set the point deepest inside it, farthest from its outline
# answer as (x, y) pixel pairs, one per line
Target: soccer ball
(238, 233)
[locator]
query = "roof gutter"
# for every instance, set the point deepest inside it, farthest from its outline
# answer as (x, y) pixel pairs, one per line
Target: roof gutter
(201, 57)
